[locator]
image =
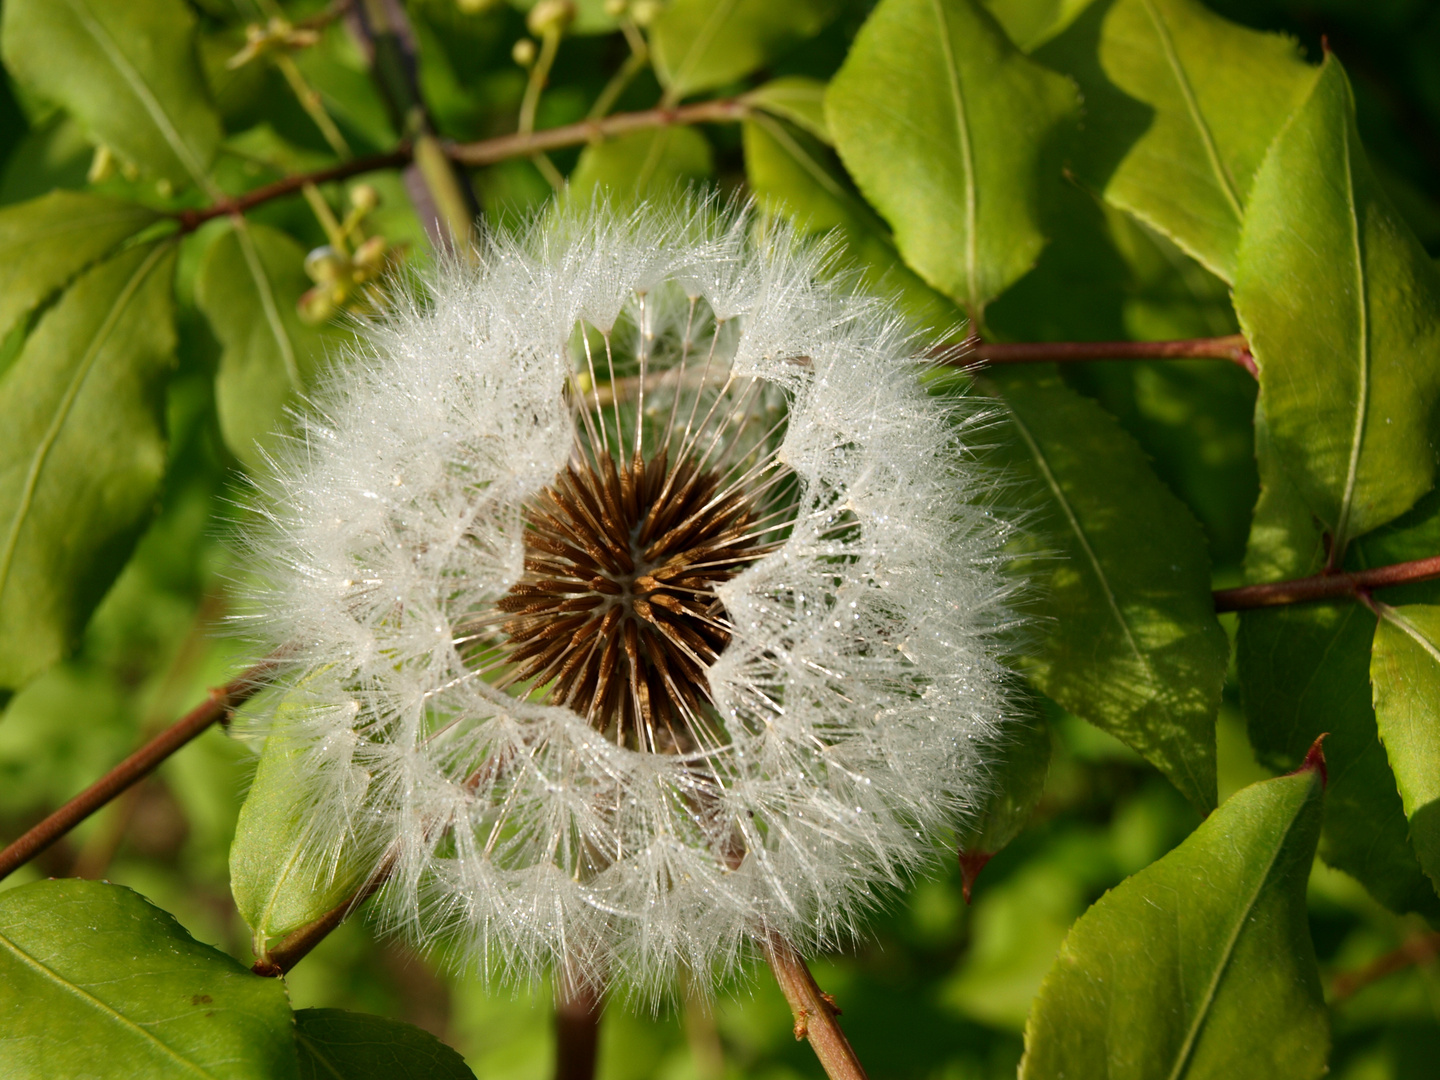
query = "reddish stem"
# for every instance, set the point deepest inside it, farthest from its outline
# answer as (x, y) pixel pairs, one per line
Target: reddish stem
(1420, 949)
(217, 707)
(1326, 586)
(814, 1011)
(484, 152)
(489, 151)
(1232, 347)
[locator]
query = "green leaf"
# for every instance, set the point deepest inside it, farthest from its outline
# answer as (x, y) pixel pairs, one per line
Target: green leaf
(1304, 671)
(1201, 964)
(652, 163)
(1031, 23)
(1342, 309)
(281, 875)
(941, 121)
(797, 99)
(127, 71)
(82, 451)
(793, 174)
(97, 981)
(1217, 94)
(47, 241)
(1405, 677)
(339, 1045)
(701, 44)
(1130, 641)
(247, 286)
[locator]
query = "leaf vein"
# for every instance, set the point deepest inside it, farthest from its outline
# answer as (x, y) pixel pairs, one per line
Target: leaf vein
(72, 391)
(46, 971)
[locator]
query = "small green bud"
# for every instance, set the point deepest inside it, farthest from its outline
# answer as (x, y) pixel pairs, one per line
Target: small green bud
(550, 17)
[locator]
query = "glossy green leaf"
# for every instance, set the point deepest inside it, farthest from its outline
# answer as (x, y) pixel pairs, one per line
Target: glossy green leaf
(1405, 679)
(1342, 309)
(97, 981)
(337, 1045)
(1031, 23)
(128, 71)
(247, 286)
(796, 99)
(1130, 641)
(82, 451)
(641, 164)
(1304, 671)
(793, 174)
(1201, 964)
(1217, 93)
(702, 44)
(47, 241)
(281, 875)
(942, 123)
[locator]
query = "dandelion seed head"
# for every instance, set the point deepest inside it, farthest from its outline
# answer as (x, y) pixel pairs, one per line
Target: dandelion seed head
(639, 601)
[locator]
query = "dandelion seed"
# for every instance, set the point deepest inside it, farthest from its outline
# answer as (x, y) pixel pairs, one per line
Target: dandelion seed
(642, 605)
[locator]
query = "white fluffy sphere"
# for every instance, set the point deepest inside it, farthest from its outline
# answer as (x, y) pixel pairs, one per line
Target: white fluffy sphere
(639, 601)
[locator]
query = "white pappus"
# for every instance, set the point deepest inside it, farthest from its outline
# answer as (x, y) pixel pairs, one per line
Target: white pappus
(638, 601)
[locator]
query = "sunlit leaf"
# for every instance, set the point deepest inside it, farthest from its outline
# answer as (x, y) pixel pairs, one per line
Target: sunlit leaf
(942, 123)
(1031, 23)
(796, 99)
(655, 163)
(82, 451)
(45, 242)
(247, 286)
(127, 71)
(1201, 964)
(1130, 640)
(1305, 671)
(1341, 306)
(701, 44)
(1405, 677)
(793, 174)
(1212, 97)
(97, 981)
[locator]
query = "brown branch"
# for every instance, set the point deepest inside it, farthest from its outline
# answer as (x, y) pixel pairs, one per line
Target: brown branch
(814, 1012)
(489, 151)
(577, 1034)
(192, 219)
(223, 700)
(1326, 586)
(484, 152)
(1232, 347)
(1420, 949)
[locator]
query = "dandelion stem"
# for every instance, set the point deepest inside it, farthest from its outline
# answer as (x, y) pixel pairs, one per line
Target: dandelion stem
(577, 1034)
(222, 701)
(814, 1012)
(1327, 586)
